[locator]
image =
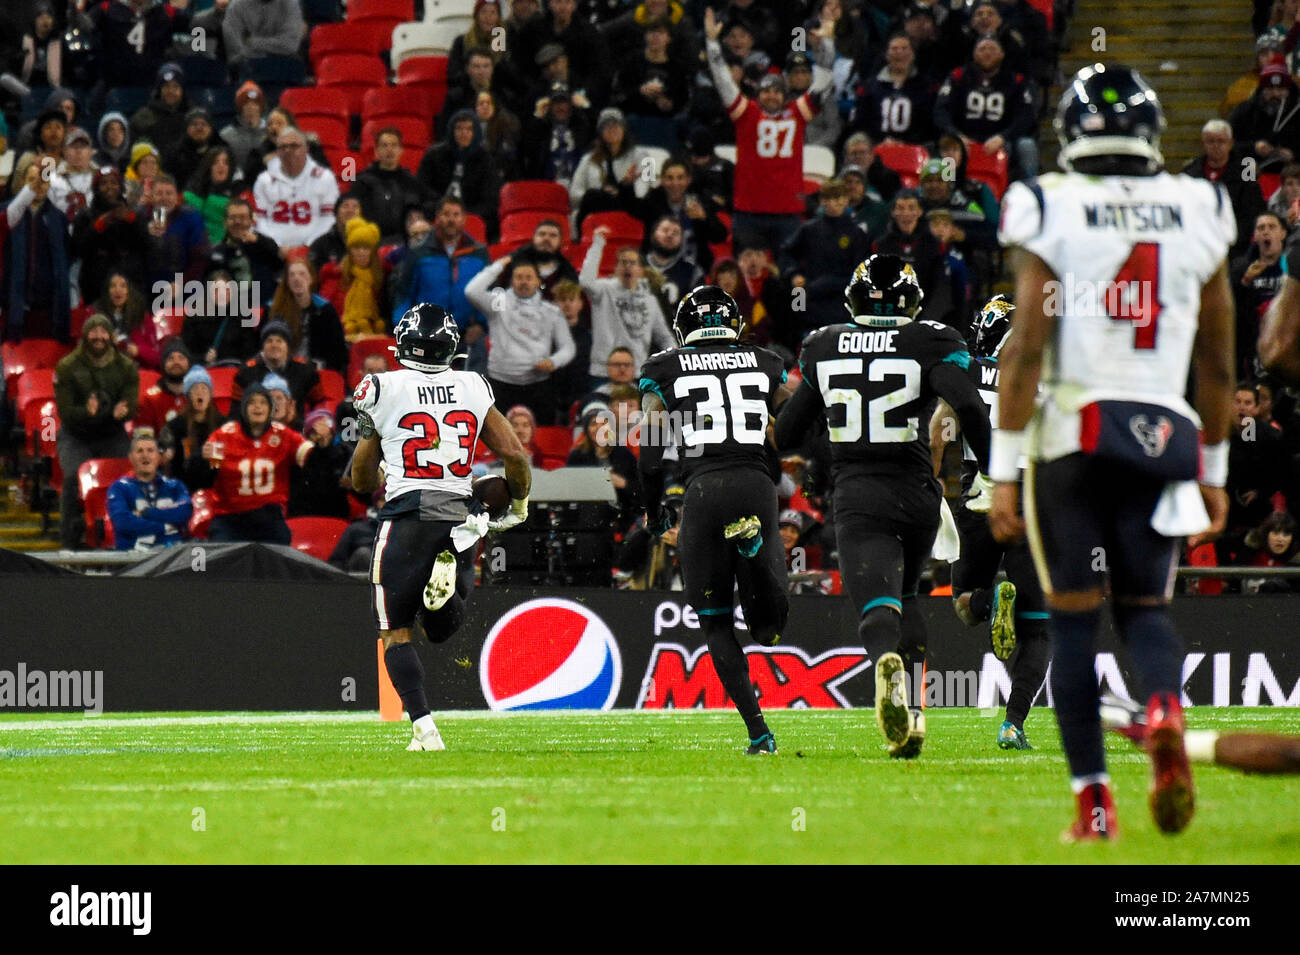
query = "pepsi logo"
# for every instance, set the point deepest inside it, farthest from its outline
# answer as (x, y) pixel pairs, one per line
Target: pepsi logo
(550, 654)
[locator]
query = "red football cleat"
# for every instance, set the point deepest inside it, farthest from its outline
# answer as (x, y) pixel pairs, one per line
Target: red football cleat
(1172, 802)
(1096, 818)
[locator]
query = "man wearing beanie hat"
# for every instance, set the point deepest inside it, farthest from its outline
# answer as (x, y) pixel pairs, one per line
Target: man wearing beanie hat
(183, 156)
(165, 399)
(275, 358)
(162, 119)
(386, 189)
(134, 37)
(1268, 124)
(248, 131)
(104, 234)
(249, 462)
(283, 408)
(96, 389)
(256, 28)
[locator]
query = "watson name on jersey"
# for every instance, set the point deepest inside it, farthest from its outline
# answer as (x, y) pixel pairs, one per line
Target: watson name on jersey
(1131, 255)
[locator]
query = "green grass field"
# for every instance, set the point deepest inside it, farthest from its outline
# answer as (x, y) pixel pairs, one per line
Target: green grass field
(591, 787)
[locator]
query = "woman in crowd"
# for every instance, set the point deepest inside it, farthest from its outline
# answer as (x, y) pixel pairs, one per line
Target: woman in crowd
(317, 331)
(186, 433)
(524, 423)
(211, 188)
(140, 172)
(355, 286)
(215, 330)
(134, 330)
(609, 176)
(1275, 545)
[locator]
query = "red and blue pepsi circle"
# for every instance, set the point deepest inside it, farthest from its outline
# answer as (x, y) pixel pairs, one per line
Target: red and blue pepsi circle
(550, 654)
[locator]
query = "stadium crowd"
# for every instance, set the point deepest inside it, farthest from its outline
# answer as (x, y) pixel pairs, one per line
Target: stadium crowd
(226, 266)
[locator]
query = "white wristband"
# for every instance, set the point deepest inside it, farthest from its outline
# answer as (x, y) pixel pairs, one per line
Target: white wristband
(1005, 452)
(1214, 464)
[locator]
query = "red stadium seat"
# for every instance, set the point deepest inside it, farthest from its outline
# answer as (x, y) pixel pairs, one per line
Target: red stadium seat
(169, 322)
(330, 130)
(33, 387)
(41, 426)
(331, 385)
(148, 379)
(422, 69)
(533, 194)
(1269, 183)
(989, 168)
(401, 11)
(500, 249)
(395, 101)
(1045, 8)
(904, 159)
(576, 252)
(316, 536)
(333, 39)
(345, 163)
(370, 345)
(313, 101)
(623, 228)
(27, 354)
(475, 227)
(350, 75)
(520, 226)
(94, 478)
(416, 133)
(201, 516)
(553, 441)
(223, 387)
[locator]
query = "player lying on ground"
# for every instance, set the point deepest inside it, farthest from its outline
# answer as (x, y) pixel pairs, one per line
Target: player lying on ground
(872, 381)
(424, 421)
(1015, 606)
(1114, 453)
(712, 398)
(1249, 752)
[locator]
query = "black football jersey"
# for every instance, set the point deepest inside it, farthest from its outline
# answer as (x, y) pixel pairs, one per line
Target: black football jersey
(718, 397)
(984, 374)
(874, 386)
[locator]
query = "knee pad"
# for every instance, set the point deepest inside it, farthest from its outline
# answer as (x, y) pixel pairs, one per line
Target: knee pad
(880, 628)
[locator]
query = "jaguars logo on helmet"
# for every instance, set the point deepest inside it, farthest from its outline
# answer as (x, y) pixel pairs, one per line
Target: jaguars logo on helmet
(884, 290)
(1109, 121)
(992, 327)
(427, 338)
(707, 312)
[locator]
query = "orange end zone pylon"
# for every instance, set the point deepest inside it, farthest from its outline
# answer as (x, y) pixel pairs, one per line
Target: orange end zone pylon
(390, 704)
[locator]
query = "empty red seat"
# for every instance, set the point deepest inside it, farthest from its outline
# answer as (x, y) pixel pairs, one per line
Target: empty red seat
(553, 441)
(986, 167)
(27, 354)
(370, 345)
(316, 536)
(331, 385)
(415, 132)
(534, 194)
(475, 227)
(401, 11)
(313, 101)
(330, 130)
(623, 228)
(94, 478)
(520, 226)
(345, 163)
(422, 69)
(351, 75)
(169, 321)
(905, 159)
(1269, 182)
(395, 101)
(41, 426)
(332, 39)
(201, 515)
(33, 387)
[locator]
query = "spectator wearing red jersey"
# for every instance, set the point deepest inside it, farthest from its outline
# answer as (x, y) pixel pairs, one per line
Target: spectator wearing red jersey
(768, 198)
(165, 399)
(249, 461)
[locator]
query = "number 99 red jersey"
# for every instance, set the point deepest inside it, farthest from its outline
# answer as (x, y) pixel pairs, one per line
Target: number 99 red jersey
(254, 472)
(769, 156)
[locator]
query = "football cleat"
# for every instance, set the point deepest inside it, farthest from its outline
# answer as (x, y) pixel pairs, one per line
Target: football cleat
(892, 715)
(430, 741)
(765, 745)
(911, 747)
(746, 533)
(1126, 718)
(1012, 736)
(1172, 800)
(442, 582)
(1002, 625)
(1096, 818)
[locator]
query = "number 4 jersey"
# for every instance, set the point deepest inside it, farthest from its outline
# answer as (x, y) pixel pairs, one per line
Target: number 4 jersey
(718, 396)
(1131, 256)
(428, 426)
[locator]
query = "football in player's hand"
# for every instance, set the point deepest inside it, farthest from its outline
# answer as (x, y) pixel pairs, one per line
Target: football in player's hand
(493, 493)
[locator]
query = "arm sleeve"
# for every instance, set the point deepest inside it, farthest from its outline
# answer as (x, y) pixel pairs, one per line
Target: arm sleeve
(942, 110)
(179, 513)
(727, 89)
(591, 265)
(121, 512)
(18, 205)
(956, 388)
(479, 289)
(797, 417)
(565, 350)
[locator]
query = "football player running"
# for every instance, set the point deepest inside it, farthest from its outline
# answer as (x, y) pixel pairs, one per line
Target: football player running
(712, 398)
(875, 381)
(1112, 445)
(424, 421)
(1014, 608)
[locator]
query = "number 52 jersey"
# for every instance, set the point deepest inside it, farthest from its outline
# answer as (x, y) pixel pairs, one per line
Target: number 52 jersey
(428, 425)
(1131, 255)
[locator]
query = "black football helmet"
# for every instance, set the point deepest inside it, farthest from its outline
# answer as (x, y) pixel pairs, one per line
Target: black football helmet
(427, 338)
(1109, 112)
(991, 327)
(884, 288)
(707, 312)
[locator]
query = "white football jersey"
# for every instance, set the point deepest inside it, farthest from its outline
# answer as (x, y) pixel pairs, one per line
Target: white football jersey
(428, 426)
(1131, 256)
(295, 211)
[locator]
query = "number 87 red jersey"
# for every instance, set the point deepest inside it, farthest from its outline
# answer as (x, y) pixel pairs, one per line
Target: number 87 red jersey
(769, 156)
(428, 426)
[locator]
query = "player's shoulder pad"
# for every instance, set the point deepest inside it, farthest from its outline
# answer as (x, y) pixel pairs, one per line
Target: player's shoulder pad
(945, 343)
(365, 397)
(774, 362)
(487, 386)
(1024, 209)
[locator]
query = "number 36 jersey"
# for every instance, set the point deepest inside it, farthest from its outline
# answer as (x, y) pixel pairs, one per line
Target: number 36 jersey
(874, 384)
(1131, 256)
(428, 425)
(718, 396)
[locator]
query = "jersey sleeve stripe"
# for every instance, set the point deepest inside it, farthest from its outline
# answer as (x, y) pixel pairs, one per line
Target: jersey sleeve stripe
(649, 384)
(960, 358)
(737, 109)
(1037, 191)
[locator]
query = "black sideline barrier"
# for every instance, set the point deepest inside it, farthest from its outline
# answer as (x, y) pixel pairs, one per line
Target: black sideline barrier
(186, 643)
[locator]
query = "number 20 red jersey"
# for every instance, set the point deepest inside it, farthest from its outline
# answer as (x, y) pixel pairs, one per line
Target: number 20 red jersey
(769, 156)
(428, 425)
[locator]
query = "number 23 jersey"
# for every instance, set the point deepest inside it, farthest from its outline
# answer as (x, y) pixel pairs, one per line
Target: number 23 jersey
(1131, 255)
(428, 426)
